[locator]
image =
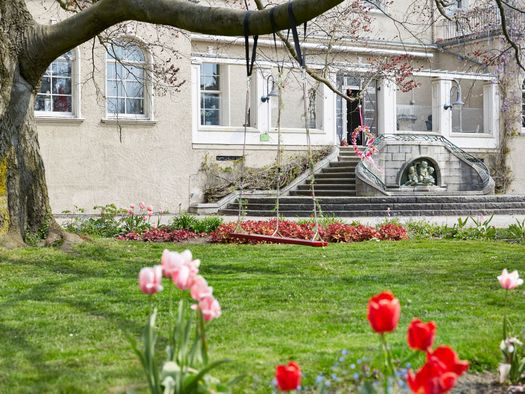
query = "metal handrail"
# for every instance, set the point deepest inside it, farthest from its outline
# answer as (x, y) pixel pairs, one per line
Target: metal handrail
(480, 21)
(381, 141)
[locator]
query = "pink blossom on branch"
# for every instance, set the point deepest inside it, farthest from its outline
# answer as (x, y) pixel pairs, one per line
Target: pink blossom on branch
(150, 279)
(511, 280)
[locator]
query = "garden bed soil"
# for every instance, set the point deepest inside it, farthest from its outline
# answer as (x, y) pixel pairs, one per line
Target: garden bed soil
(484, 383)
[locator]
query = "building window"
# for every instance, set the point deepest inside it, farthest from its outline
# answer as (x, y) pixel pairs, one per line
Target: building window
(55, 96)
(210, 94)
(126, 81)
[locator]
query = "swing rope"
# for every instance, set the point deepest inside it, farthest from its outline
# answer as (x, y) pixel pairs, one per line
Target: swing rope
(276, 236)
(250, 61)
(301, 59)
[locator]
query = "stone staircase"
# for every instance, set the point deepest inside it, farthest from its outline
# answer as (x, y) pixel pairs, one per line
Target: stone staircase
(295, 206)
(337, 180)
(336, 194)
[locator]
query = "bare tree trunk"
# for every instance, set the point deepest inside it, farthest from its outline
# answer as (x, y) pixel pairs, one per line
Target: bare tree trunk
(29, 210)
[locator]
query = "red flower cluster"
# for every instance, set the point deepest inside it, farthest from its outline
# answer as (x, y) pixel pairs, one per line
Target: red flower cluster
(439, 374)
(287, 228)
(159, 235)
(335, 232)
(288, 376)
(339, 232)
(392, 232)
(442, 367)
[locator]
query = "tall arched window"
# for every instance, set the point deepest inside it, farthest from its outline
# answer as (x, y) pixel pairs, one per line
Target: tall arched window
(126, 81)
(55, 97)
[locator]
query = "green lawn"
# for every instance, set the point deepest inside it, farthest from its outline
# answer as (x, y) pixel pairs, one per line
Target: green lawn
(65, 316)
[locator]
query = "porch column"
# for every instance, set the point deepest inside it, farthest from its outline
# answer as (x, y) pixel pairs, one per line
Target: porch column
(329, 109)
(491, 108)
(441, 117)
(263, 110)
(386, 107)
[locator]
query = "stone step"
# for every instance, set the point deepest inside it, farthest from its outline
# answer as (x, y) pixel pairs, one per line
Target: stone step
(410, 213)
(342, 164)
(323, 193)
(340, 181)
(334, 169)
(400, 199)
(335, 175)
(380, 207)
(331, 186)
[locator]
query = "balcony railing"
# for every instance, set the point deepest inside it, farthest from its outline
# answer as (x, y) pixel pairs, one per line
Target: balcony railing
(478, 23)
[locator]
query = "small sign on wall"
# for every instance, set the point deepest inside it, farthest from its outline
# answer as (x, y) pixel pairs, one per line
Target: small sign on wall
(227, 158)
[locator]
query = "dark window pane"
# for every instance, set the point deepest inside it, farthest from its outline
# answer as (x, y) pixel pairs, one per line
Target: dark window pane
(114, 70)
(135, 106)
(209, 69)
(115, 51)
(134, 89)
(40, 103)
(45, 86)
(62, 103)
(210, 101)
(210, 117)
(61, 86)
(210, 83)
(61, 69)
(134, 53)
(133, 73)
(115, 88)
(116, 106)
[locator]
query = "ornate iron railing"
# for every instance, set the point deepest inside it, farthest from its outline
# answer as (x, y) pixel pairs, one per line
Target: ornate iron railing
(480, 22)
(368, 172)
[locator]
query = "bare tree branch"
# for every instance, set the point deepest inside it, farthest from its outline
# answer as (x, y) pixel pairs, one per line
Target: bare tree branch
(505, 31)
(51, 41)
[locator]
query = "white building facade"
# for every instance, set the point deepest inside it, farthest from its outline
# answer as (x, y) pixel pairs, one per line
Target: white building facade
(113, 131)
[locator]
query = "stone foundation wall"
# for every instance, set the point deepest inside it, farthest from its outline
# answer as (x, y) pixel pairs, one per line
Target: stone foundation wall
(452, 173)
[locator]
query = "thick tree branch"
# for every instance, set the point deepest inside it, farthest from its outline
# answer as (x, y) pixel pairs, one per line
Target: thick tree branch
(506, 34)
(51, 41)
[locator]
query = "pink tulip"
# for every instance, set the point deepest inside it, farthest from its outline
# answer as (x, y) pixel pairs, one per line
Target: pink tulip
(131, 206)
(150, 279)
(200, 288)
(145, 218)
(142, 205)
(510, 281)
(150, 213)
(149, 208)
(130, 212)
(210, 308)
(182, 277)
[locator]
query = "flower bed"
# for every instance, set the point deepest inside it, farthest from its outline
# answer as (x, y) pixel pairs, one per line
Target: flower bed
(335, 232)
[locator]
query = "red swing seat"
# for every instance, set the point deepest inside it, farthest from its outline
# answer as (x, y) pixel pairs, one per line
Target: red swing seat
(280, 240)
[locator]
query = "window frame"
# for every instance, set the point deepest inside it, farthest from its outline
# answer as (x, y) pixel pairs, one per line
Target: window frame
(147, 95)
(75, 91)
(220, 93)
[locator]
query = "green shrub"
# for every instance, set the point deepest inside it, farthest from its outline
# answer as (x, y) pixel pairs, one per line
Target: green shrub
(189, 222)
(107, 224)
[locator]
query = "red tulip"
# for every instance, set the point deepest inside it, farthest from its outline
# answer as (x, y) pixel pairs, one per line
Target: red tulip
(383, 312)
(288, 376)
(439, 374)
(421, 335)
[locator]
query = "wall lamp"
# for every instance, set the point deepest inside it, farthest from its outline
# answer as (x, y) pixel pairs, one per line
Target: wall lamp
(270, 92)
(459, 102)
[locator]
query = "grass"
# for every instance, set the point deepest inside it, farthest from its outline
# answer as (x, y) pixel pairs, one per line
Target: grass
(65, 316)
